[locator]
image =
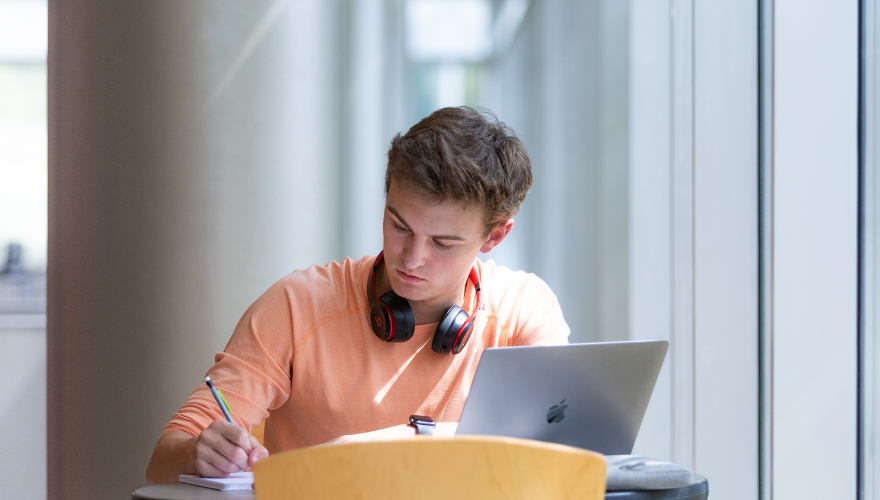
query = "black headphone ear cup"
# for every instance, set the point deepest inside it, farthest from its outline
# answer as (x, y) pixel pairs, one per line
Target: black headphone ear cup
(379, 322)
(447, 330)
(402, 316)
(465, 336)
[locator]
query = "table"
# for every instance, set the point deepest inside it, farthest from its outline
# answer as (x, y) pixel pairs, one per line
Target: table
(698, 490)
(180, 491)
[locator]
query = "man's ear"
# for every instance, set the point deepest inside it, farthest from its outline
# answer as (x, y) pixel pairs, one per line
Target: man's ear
(497, 235)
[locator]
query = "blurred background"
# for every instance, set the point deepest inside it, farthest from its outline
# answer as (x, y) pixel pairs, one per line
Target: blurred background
(225, 146)
(168, 161)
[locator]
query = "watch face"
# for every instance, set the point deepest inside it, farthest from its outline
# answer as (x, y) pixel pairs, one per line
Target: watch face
(421, 419)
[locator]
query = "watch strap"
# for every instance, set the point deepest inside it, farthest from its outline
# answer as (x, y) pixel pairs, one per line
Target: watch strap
(424, 428)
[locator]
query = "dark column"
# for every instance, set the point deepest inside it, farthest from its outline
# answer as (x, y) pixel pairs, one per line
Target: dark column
(193, 161)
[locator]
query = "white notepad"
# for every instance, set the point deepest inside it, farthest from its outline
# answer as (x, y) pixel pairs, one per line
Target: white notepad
(235, 481)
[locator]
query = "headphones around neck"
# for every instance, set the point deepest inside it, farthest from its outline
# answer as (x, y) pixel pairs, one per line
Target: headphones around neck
(392, 319)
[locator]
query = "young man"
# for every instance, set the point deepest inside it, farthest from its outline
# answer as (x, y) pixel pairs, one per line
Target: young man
(350, 350)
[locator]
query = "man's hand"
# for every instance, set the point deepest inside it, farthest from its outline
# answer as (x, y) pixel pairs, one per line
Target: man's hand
(224, 448)
(402, 431)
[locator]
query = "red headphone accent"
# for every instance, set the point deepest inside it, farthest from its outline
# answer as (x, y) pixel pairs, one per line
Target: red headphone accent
(377, 319)
(392, 320)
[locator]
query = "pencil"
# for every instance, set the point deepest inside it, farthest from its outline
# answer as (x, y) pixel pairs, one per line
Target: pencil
(220, 401)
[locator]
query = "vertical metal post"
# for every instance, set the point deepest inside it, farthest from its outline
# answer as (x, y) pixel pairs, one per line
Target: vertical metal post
(765, 240)
(865, 432)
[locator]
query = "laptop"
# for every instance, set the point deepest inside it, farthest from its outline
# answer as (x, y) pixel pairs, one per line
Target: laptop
(592, 396)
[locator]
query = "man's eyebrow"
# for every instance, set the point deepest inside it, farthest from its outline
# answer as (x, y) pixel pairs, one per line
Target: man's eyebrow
(436, 237)
(396, 214)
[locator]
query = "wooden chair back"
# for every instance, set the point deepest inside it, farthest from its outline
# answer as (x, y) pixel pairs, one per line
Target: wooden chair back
(466, 467)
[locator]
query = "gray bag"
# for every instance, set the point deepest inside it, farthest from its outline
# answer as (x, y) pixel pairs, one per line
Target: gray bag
(631, 472)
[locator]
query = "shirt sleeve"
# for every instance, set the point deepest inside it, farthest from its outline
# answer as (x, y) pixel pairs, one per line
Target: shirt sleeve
(253, 371)
(543, 323)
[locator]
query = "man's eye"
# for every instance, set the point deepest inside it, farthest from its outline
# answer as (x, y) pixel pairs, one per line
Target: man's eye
(399, 228)
(441, 246)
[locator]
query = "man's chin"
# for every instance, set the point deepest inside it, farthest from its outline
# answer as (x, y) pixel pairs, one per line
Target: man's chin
(409, 291)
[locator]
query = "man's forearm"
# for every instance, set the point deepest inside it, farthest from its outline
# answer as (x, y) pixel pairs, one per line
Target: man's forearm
(174, 455)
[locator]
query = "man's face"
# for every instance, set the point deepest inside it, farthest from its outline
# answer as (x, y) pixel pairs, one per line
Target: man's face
(430, 247)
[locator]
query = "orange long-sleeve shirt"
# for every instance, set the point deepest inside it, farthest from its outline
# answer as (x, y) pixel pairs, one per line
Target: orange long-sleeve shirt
(304, 355)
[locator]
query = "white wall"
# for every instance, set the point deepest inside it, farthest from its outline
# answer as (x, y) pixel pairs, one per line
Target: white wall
(693, 232)
(815, 195)
(726, 246)
(650, 207)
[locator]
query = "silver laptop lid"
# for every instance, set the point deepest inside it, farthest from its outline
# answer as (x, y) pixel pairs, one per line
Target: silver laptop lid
(593, 396)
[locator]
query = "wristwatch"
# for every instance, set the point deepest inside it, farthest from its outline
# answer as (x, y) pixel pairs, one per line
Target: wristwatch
(424, 425)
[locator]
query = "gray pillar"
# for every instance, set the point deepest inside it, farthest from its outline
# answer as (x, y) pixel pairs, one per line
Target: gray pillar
(561, 84)
(563, 210)
(194, 160)
(367, 142)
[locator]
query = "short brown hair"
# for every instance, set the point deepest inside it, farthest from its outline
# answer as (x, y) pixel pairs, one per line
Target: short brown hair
(462, 154)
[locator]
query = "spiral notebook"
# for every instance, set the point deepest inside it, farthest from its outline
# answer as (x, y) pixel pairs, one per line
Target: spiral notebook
(235, 481)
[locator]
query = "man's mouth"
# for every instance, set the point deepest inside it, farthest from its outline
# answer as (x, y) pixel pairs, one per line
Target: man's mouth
(409, 278)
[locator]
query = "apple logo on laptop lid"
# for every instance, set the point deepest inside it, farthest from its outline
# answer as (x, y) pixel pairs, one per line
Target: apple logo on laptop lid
(556, 413)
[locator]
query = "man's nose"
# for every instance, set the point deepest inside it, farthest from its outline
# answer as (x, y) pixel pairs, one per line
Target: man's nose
(414, 253)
